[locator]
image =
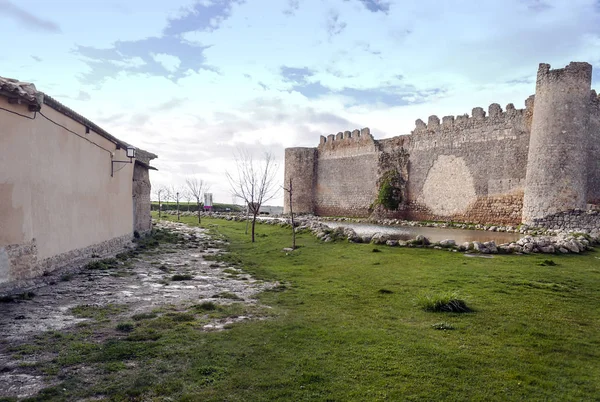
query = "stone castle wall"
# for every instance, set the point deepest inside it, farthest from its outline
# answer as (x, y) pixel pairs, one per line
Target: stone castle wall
(300, 160)
(347, 164)
(537, 165)
(556, 169)
(593, 161)
(478, 163)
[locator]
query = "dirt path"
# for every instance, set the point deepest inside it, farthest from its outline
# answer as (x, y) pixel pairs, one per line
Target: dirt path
(171, 274)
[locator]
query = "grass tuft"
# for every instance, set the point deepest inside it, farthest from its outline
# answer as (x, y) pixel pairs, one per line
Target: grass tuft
(385, 291)
(445, 303)
(547, 263)
(125, 326)
(206, 306)
(106, 263)
(143, 316)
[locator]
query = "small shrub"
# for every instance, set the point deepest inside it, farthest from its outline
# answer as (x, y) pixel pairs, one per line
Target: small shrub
(136, 234)
(181, 277)
(206, 306)
(547, 263)
(125, 327)
(442, 326)
(376, 250)
(446, 302)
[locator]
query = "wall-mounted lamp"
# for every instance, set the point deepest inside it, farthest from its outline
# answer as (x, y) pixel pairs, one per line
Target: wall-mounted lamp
(130, 152)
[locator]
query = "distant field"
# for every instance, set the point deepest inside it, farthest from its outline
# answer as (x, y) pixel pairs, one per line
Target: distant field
(192, 206)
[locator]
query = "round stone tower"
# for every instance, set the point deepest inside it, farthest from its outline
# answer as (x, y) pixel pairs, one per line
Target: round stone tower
(556, 166)
(300, 166)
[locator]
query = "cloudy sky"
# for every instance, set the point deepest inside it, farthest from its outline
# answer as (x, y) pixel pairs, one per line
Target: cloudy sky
(194, 80)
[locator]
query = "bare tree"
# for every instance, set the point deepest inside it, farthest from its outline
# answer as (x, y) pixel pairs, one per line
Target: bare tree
(176, 193)
(253, 182)
(197, 188)
(187, 196)
(161, 193)
(290, 190)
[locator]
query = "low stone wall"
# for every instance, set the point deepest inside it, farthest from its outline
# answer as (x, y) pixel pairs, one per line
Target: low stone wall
(24, 266)
(577, 220)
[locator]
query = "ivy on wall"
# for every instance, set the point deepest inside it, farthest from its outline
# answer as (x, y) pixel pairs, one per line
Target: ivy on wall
(390, 192)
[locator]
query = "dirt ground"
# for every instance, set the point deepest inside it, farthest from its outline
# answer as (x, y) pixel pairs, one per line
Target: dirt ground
(145, 283)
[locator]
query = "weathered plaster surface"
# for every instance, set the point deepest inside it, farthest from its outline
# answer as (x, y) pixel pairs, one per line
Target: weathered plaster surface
(57, 196)
(449, 175)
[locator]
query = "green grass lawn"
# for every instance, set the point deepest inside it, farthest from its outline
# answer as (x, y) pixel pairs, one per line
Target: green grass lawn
(345, 325)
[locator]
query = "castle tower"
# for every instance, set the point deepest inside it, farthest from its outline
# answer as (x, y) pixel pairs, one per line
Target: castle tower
(556, 166)
(300, 166)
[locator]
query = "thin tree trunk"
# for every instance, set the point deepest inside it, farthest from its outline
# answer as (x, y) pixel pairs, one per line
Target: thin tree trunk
(198, 212)
(253, 224)
(292, 215)
(177, 206)
(159, 207)
(247, 220)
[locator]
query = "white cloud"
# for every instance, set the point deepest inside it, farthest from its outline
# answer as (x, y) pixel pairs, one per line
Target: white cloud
(169, 62)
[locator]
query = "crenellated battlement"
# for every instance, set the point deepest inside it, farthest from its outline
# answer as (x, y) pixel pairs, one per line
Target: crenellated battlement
(346, 138)
(478, 117)
(575, 72)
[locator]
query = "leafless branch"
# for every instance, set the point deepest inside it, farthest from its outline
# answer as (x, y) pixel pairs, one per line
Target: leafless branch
(252, 181)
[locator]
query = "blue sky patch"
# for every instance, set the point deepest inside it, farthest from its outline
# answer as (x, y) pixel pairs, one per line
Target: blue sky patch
(200, 18)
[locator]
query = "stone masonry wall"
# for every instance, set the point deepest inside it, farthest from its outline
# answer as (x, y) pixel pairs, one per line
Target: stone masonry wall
(300, 166)
(142, 220)
(557, 161)
(470, 168)
(346, 174)
(19, 262)
(593, 162)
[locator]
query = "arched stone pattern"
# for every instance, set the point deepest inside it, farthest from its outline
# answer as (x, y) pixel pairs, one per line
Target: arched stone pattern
(449, 188)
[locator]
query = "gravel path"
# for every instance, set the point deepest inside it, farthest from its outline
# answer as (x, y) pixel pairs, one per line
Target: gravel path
(143, 285)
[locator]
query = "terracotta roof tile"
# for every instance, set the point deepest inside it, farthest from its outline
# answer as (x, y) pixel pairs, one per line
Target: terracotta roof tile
(23, 90)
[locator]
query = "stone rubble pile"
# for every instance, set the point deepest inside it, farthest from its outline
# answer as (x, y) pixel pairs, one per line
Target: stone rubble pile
(536, 240)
